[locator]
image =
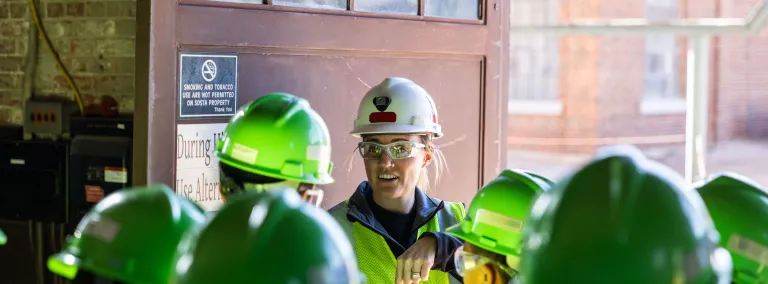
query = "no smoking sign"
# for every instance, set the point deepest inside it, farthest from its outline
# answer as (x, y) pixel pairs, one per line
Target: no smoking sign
(207, 85)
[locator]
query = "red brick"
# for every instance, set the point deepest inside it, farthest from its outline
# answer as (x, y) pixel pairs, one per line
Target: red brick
(9, 81)
(89, 99)
(10, 98)
(115, 47)
(12, 28)
(5, 114)
(56, 10)
(113, 84)
(121, 9)
(95, 9)
(7, 46)
(117, 65)
(18, 10)
(12, 64)
(81, 64)
(125, 27)
(83, 83)
(81, 46)
(4, 13)
(76, 9)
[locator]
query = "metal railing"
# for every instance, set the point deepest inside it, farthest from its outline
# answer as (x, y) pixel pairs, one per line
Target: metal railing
(699, 32)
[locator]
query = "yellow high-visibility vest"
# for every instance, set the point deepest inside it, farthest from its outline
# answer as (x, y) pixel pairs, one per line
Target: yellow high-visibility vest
(374, 257)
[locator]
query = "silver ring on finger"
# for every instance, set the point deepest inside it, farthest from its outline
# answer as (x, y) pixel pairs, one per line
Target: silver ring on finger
(415, 274)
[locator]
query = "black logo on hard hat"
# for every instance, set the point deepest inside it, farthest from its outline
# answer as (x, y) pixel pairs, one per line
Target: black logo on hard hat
(382, 103)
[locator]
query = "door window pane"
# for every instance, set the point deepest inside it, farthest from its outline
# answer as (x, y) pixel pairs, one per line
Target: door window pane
(406, 7)
(242, 1)
(460, 9)
(317, 4)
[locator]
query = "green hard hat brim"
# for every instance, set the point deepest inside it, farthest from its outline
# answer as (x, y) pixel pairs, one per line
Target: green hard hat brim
(67, 264)
(469, 237)
(324, 178)
(64, 264)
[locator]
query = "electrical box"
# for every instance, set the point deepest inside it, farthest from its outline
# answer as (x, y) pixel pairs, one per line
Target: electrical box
(100, 161)
(102, 126)
(33, 180)
(48, 116)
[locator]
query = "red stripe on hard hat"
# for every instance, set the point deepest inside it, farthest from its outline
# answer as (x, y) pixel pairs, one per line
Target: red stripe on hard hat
(376, 117)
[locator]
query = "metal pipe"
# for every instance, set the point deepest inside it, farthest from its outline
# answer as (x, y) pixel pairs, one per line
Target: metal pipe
(697, 99)
(755, 22)
(594, 141)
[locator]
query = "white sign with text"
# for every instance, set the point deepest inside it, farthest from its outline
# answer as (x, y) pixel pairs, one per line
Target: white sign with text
(197, 169)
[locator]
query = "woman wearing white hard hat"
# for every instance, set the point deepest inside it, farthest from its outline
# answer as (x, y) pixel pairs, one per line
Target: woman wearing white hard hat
(396, 229)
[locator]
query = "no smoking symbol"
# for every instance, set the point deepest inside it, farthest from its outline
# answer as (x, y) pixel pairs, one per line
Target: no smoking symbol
(209, 70)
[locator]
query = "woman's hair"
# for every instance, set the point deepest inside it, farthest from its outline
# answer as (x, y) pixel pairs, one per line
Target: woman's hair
(438, 164)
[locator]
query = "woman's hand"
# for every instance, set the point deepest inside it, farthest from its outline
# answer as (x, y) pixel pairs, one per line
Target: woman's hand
(414, 264)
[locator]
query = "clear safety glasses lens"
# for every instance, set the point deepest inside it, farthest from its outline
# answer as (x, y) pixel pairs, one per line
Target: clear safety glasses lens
(466, 261)
(227, 185)
(397, 150)
(312, 196)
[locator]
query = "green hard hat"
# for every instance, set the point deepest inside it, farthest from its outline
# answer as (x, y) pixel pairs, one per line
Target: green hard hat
(268, 237)
(739, 208)
(130, 236)
(495, 217)
(622, 219)
(3, 238)
(279, 136)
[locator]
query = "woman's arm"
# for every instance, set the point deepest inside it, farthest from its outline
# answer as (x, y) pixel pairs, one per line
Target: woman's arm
(446, 246)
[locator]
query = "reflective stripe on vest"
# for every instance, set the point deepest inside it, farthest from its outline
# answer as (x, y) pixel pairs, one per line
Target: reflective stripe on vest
(375, 258)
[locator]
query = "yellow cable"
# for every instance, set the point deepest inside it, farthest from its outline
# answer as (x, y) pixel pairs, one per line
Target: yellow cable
(52, 51)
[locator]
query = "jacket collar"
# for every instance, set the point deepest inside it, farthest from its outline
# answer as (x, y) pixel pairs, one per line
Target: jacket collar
(426, 207)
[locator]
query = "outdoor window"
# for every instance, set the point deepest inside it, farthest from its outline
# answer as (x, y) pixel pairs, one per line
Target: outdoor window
(661, 53)
(661, 94)
(534, 62)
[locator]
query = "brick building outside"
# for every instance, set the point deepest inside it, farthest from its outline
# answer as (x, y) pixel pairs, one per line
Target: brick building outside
(575, 93)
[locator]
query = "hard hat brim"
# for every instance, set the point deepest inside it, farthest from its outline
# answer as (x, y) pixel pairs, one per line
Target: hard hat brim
(324, 178)
(460, 231)
(395, 128)
(64, 264)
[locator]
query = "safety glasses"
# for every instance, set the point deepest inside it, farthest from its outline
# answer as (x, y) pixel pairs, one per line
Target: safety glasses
(308, 193)
(312, 196)
(396, 150)
(466, 261)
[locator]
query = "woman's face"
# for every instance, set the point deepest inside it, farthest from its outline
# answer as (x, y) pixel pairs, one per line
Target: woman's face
(395, 178)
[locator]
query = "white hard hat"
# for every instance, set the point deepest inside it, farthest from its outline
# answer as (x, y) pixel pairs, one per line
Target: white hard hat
(397, 105)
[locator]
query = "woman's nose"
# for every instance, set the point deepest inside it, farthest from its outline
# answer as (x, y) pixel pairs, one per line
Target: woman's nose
(385, 160)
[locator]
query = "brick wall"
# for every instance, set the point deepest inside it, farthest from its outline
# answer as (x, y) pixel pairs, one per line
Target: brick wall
(578, 83)
(94, 38)
(622, 82)
(742, 99)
